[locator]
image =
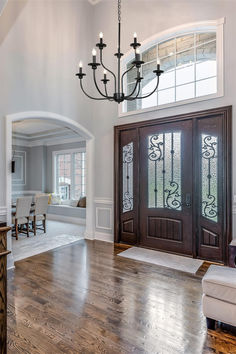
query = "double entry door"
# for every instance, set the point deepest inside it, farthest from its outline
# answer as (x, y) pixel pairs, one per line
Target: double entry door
(173, 184)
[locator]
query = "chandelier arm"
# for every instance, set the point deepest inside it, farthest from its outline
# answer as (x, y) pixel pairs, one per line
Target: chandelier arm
(110, 99)
(96, 85)
(140, 98)
(86, 94)
(104, 67)
(134, 98)
(122, 77)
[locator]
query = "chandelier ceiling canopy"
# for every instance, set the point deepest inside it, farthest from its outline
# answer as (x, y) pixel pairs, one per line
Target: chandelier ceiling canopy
(118, 80)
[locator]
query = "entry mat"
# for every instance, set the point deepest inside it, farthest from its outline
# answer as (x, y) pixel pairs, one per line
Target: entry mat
(184, 264)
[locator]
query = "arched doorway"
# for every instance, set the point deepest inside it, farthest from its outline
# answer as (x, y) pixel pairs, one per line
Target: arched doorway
(60, 120)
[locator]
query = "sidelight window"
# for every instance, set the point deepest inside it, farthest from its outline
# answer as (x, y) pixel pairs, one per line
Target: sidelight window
(209, 166)
(128, 157)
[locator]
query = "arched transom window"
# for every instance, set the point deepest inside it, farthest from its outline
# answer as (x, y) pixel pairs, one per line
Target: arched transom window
(189, 62)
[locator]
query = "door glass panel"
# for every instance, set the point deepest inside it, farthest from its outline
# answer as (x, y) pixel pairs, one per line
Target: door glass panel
(209, 157)
(128, 156)
(164, 171)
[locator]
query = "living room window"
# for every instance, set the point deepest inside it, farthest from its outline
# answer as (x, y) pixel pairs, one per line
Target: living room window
(192, 64)
(70, 174)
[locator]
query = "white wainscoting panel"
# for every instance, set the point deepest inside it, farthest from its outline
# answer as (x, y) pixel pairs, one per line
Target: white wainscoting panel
(104, 219)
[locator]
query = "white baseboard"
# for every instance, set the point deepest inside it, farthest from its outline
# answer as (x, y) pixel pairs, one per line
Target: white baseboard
(88, 236)
(102, 236)
(68, 219)
(12, 267)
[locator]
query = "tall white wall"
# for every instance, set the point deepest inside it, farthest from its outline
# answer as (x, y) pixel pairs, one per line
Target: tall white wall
(40, 45)
(147, 18)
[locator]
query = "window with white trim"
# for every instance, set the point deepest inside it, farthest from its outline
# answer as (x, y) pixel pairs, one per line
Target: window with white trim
(189, 62)
(70, 171)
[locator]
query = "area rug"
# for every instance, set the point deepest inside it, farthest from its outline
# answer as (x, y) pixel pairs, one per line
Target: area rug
(184, 264)
(58, 234)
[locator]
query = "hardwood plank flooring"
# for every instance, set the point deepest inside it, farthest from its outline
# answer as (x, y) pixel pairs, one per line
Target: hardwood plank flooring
(82, 298)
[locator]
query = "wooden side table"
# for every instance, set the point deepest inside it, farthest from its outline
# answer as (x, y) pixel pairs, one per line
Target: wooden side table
(3, 288)
(232, 254)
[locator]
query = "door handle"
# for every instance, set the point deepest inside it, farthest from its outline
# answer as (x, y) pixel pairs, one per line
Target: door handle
(188, 200)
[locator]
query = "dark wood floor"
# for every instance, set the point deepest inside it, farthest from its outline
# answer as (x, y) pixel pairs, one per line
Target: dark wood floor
(82, 298)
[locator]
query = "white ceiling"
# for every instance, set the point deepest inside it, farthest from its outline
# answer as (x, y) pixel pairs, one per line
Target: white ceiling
(33, 126)
(33, 132)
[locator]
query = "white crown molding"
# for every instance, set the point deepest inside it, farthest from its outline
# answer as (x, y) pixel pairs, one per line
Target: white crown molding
(46, 142)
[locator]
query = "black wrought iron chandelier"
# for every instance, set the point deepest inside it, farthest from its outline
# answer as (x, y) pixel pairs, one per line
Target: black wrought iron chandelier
(118, 95)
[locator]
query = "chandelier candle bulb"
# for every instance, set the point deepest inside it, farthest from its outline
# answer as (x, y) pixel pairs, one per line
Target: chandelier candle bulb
(158, 64)
(80, 67)
(135, 37)
(105, 74)
(137, 56)
(94, 53)
(101, 37)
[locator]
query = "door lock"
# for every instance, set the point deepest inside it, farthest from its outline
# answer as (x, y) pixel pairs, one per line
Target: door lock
(188, 200)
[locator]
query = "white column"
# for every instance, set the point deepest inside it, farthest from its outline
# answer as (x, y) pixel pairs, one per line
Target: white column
(90, 215)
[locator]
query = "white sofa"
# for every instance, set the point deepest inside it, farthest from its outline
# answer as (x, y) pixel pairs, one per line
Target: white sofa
(219, 295)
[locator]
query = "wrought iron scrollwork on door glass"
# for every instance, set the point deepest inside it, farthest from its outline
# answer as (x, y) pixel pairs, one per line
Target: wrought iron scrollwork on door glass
(209, 170)
(164, 171)
(128, 157)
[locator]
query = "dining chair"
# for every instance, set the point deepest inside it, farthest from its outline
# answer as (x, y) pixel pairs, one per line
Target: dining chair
(40, 212)
(21, 215)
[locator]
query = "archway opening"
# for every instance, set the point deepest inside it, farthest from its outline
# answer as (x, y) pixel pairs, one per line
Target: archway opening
(61, 121)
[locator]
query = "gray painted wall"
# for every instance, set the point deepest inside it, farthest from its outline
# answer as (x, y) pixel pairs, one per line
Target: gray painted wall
(37, 169)
(19, 187)
(39, 165)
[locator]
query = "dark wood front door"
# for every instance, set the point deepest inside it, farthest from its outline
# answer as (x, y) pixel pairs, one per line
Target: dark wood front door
(166, 182)
(173, 184)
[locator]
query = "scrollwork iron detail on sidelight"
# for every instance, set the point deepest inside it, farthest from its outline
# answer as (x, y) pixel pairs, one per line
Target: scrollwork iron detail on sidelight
(209, 177)
(128, 156)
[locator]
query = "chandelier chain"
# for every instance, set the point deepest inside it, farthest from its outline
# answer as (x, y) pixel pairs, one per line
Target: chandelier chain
(119, 10)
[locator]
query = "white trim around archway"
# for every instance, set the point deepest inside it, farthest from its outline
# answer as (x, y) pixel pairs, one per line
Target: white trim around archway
(75, 126)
